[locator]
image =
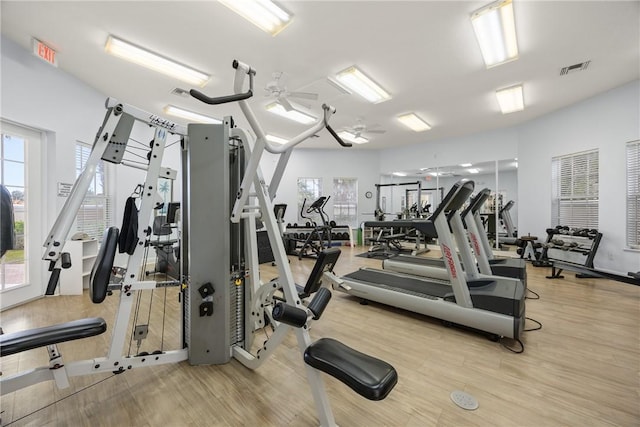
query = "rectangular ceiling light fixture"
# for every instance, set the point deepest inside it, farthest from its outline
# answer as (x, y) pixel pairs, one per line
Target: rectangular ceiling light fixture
(153, 61)
(295, 115)
(356, 81)
(190, 115)
(276, 139)
(474, 170)
(356, 139)
(466, 165)
(495, 29)
(413, 122)
(265, 14)
(511, 99)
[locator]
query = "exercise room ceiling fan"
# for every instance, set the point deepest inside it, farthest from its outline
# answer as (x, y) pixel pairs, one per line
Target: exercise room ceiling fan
(277, 90)
(360, 128)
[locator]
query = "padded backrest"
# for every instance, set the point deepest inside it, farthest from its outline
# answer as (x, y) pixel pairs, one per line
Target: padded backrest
(325, 262)
(507, 207)
(101, 271)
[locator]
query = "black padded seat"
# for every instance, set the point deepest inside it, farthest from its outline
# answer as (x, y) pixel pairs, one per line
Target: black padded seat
(369, 377)
(15, 342)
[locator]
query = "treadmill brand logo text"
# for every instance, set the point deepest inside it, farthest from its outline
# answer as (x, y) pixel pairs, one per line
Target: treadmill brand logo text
(449, 258)
(474, 241)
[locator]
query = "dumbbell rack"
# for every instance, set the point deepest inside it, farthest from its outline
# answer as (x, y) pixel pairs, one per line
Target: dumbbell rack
(339, 233)
(573, 246)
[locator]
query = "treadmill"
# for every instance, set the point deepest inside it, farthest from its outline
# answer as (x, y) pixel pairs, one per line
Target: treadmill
(492, 305)
(509, 267)
(488, 265)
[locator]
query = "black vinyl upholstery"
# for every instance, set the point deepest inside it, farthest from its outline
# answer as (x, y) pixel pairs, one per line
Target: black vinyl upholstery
(101, 271)
(369, 377)
(16, 342)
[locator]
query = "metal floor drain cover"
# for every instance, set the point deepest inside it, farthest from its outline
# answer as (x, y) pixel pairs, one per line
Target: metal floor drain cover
(464, 400)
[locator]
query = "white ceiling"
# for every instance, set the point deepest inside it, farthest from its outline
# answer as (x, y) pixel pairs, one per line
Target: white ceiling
(423, 52)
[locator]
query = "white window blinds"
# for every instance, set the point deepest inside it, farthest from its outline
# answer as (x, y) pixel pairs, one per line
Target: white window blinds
(95, 213)
(575, 190)
(633, 194)
(345, 201)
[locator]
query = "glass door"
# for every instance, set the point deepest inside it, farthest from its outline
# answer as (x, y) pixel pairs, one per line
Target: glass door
(21, 175)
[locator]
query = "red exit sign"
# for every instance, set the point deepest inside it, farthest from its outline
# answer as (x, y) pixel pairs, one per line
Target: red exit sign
(44, 52)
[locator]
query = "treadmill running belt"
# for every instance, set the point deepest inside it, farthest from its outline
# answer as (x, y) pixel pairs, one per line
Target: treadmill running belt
(402, 283)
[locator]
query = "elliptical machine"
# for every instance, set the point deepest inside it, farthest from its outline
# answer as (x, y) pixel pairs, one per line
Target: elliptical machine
(320, 237)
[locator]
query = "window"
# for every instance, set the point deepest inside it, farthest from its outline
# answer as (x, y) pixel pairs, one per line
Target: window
(94, 215)
(309, 189)
(345, 201)
(633, 194)
(12, 176)
(575, 190)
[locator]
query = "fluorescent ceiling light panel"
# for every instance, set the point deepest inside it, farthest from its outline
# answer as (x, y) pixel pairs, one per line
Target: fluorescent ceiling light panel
(189, 115)
(495, 30)
(511, 99)
(294, 115)
(399, 174)
(356, 81)
(348, 136)
(413, 122)
(276, 139)
(474, 170)
(153, 61)
(264, 14)
(466, 165)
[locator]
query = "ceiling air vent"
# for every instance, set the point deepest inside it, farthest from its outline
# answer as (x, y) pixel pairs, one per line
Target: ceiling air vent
(574, 68)
(180, 92)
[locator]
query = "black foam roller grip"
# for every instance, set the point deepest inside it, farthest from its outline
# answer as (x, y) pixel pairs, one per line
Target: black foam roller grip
(65, 257)
(319, 302)
(53, 282)
(220, 99)
(290, 315)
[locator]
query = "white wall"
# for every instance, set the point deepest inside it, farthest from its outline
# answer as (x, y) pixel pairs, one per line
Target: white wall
(37, 95)
(326, 164)
(606, 123)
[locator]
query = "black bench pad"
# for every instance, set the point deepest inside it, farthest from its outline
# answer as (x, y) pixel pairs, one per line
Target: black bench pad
(369, 377)
(393, 236)
(16, 342)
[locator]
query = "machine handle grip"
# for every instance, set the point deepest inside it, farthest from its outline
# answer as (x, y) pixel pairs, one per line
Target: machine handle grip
(220, 99)
(337, 138)
(53, 282)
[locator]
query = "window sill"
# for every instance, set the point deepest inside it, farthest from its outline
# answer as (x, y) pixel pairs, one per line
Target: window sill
(631, 250)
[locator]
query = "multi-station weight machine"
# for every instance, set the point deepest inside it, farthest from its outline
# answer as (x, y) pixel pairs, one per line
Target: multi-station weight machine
(223, 300)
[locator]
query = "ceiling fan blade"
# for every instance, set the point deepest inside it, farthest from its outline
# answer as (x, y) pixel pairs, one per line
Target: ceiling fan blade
(286, 104)
(303, 95)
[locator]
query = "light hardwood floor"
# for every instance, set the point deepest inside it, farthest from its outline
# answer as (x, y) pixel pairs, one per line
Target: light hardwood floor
(581, 369)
